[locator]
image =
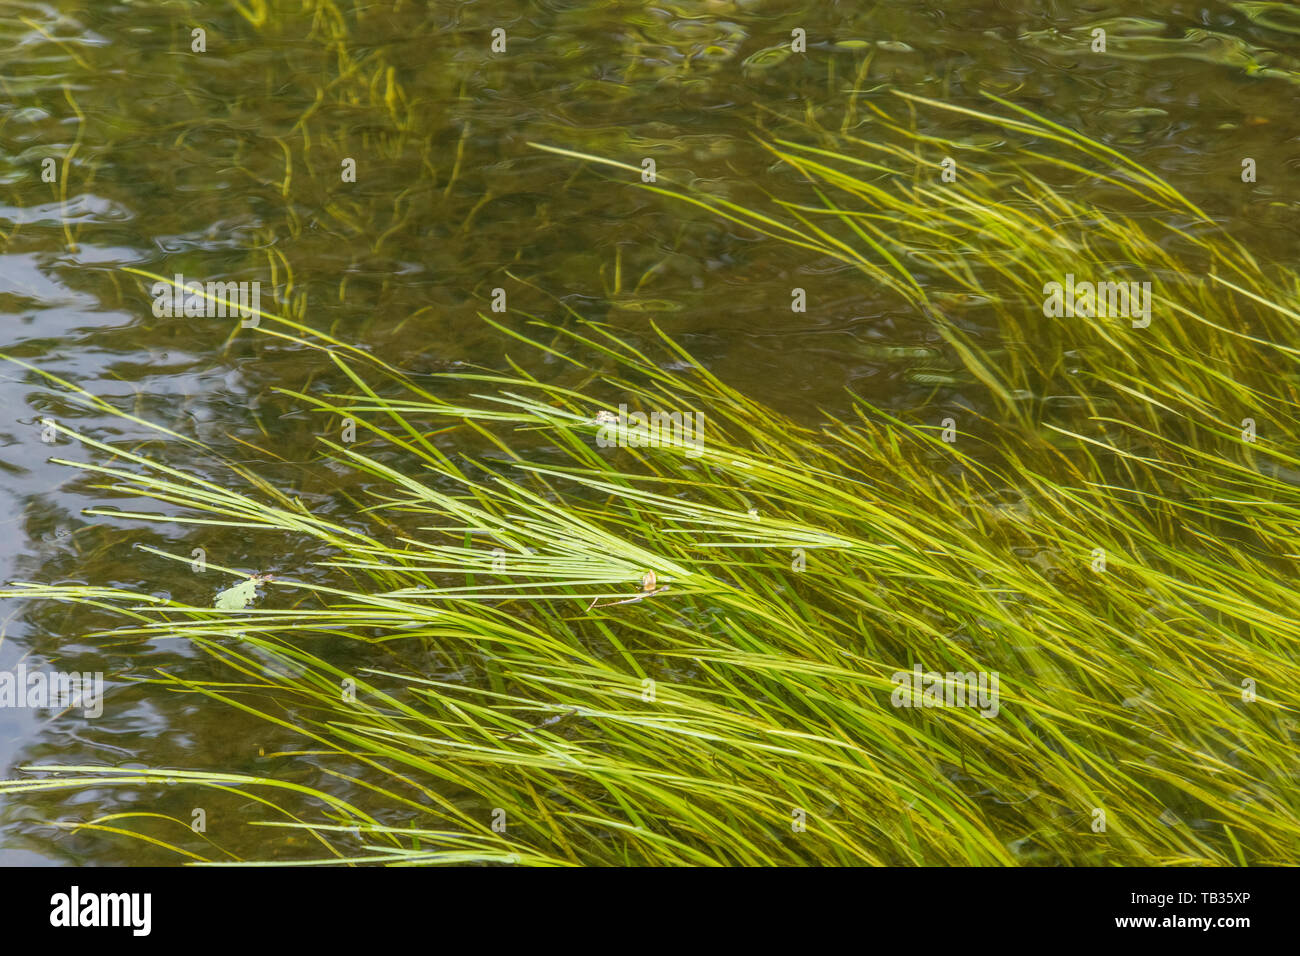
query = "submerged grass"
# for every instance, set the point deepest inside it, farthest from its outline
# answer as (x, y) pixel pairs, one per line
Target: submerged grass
(1129, 582)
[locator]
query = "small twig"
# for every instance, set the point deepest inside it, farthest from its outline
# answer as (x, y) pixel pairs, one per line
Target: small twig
(648, 589)
(632, 600)
(545, 723)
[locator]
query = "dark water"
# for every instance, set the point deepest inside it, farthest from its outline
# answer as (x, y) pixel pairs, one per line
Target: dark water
(225, 165)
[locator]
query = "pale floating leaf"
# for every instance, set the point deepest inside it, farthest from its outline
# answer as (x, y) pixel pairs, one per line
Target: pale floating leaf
(237, 597)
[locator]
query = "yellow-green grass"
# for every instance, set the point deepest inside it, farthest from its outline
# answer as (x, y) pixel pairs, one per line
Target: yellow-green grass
(805, 566)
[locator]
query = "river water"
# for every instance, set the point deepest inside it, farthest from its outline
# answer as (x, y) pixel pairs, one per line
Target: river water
(226, 164)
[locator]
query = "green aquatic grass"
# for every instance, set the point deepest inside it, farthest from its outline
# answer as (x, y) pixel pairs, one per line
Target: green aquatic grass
(804, 565)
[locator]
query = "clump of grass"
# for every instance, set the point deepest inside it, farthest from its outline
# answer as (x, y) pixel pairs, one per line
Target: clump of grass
(804, 566)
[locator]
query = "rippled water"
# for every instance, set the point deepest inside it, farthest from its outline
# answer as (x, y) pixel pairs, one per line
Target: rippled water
(225, 165)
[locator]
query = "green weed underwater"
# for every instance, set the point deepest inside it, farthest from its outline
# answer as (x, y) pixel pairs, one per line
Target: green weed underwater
(1131, 583)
